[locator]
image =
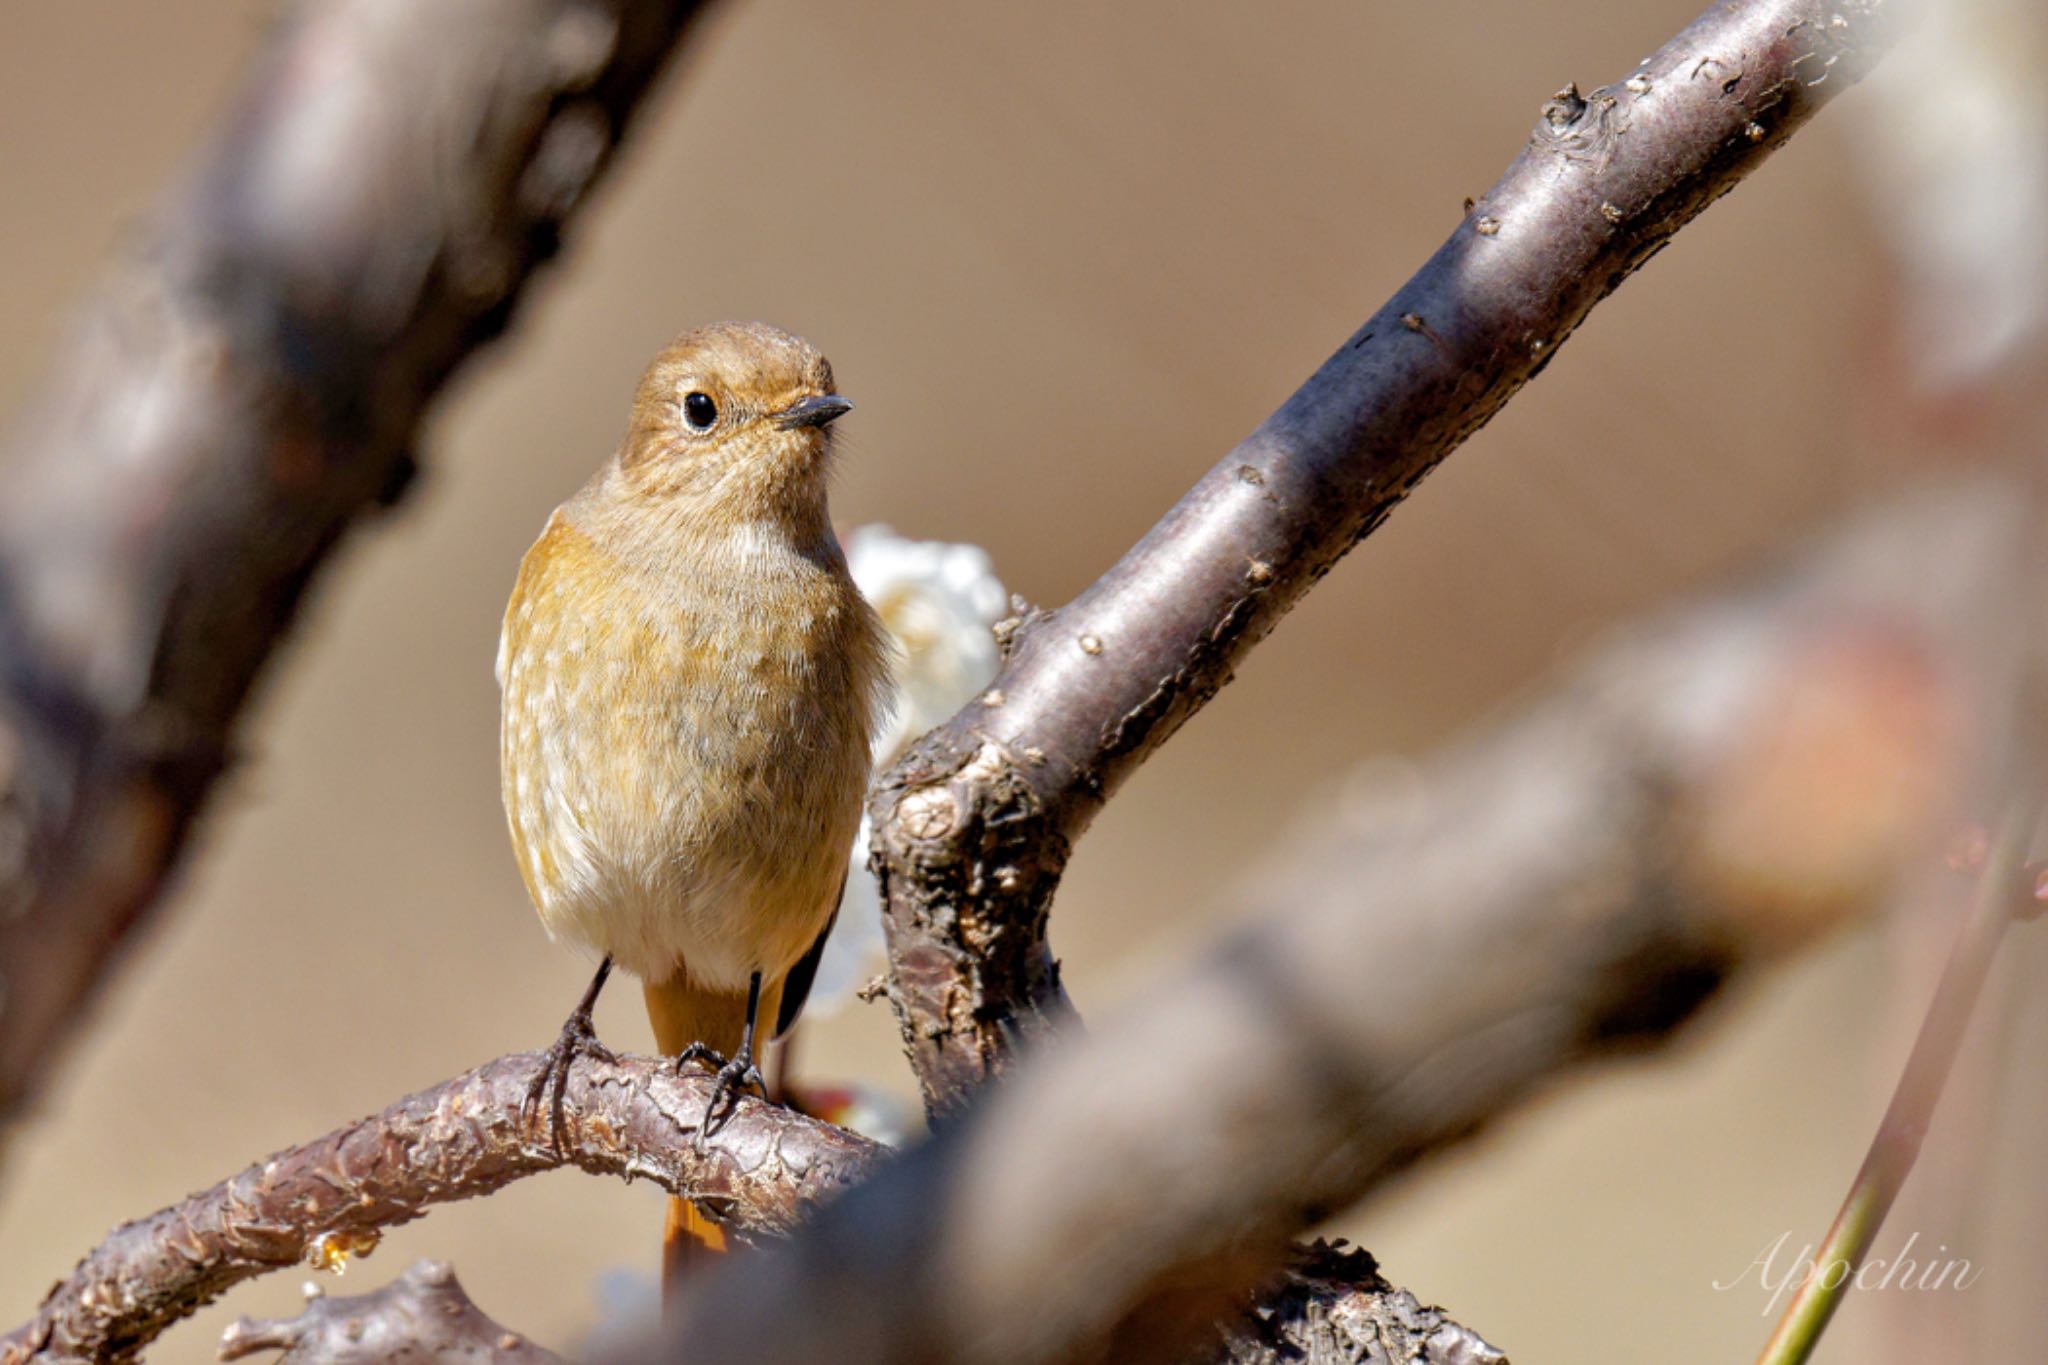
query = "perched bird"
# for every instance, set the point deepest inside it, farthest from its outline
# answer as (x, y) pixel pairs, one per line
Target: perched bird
(690, 683)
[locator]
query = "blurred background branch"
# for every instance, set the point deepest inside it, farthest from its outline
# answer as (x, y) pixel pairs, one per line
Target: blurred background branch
(252, 380)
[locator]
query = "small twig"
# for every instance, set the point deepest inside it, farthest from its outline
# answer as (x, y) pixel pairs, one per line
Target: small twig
(629, 1116)
(424, 1314)
(2001, 888)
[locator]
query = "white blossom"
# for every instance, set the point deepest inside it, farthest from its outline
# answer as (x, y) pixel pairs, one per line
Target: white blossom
(941, 603)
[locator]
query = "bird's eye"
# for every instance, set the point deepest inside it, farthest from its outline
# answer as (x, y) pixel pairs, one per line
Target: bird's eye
(699, 411)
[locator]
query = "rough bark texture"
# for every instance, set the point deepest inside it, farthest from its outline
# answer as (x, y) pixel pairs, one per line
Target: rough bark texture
(252, 380)
(762, 1169)
(1332, 1308)
(424, 1314)
(974, 825)
(1576, 882)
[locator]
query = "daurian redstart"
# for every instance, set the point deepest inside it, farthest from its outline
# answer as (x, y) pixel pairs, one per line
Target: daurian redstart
(690, 684)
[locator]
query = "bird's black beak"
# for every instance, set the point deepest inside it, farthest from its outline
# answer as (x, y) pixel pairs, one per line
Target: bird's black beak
(818, 411)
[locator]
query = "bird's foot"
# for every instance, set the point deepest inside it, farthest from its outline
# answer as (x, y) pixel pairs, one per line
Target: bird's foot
(577, 1038)
(729, 1079)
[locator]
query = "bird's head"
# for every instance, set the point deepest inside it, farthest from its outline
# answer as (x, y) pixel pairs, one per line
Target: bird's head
(735, 416)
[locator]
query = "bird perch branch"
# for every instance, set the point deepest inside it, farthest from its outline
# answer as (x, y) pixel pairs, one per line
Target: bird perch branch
(762, 1169)
(251, 382)
(973, 827)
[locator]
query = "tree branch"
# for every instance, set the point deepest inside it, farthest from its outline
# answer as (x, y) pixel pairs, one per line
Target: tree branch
(762, 1169)
(974, 825)
(1576, 882)
(424, 1314)
(252, 380)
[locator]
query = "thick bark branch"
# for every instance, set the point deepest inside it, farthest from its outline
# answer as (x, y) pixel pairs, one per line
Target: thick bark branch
(974, 825)
(254, 379)
(763, 1169)
(1575, 882)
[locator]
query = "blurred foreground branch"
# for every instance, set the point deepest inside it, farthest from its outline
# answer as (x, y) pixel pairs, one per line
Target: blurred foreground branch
(333, 1197)
(252, 380)
(1707, 794)
(973, 827)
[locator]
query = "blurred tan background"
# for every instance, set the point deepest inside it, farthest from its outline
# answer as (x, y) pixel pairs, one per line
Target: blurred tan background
(1062, 256)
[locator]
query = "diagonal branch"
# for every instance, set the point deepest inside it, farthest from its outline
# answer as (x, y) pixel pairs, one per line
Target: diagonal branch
(762, 1169)
(973, 826)
(252, 380)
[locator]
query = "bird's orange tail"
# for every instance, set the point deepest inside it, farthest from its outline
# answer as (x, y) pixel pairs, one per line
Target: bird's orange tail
(687, 1241)
(682, 1015)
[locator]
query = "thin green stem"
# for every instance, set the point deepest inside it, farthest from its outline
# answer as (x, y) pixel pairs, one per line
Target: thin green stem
(1897, 1144)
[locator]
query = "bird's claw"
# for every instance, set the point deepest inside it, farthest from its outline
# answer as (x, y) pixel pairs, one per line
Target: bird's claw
(578, 1037)
(729, 1079)
(740, 1074)
(699, 1052)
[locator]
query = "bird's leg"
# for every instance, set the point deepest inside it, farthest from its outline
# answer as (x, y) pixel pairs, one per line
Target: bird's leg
(739, 1073)
(578, 1034)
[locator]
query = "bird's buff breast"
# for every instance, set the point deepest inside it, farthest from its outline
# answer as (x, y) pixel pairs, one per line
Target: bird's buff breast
(683, 756)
